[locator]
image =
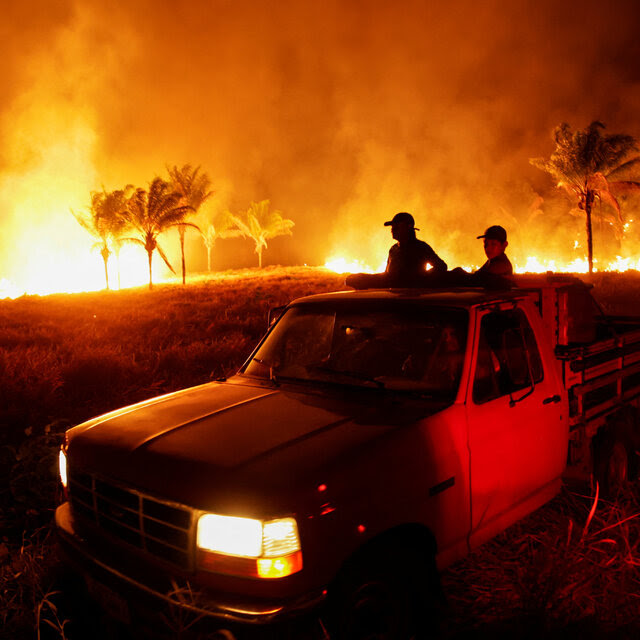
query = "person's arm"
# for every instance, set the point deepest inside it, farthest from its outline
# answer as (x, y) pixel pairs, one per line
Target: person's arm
(437, 263)
(389, 259)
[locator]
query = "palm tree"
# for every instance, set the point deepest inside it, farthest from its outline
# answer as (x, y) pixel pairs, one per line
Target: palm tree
(260, 224)
(152, 212)
(105, 222)
(588, 165)
(222, 225)
(194, 188)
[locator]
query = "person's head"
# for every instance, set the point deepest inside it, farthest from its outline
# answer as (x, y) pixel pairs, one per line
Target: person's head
(449, 339)
(402, 226)
(495, 241)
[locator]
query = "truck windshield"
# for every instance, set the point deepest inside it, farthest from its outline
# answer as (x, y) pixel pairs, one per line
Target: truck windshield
(406, 347)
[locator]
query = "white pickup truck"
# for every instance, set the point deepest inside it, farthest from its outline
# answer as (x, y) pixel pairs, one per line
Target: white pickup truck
(370, 438)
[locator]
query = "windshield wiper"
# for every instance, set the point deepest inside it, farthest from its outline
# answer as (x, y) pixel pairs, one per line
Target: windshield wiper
(356, 375)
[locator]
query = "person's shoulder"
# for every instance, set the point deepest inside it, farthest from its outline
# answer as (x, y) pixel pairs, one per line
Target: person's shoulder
(502, 258)
(501, 265)
(426, 248)
(422, 244)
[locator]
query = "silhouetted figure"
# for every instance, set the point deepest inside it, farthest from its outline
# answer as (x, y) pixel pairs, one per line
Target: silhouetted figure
(407, 261)
(495, 244)
(495, 273)
(409, 257)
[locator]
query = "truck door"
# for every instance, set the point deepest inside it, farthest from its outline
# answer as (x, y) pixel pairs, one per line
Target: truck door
(516, 421)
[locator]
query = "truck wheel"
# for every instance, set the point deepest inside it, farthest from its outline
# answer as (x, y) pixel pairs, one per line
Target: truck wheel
(612, 469)
(383, 601)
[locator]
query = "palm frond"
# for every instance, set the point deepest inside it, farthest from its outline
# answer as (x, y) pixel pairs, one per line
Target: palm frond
(164, 257)
(132, 240)
(623, 187)
(193, 185)
(624, 167)
(606, 196)
(191, 225)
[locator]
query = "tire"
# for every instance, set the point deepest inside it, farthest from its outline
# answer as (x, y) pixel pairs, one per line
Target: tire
(385, 599)
(612, 466)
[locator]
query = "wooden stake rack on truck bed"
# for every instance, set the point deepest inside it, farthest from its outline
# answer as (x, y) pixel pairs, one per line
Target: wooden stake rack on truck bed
(600, 377)
(599, 355)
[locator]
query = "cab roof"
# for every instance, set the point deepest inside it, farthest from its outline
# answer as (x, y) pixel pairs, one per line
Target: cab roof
(464, 298)
(524, 285)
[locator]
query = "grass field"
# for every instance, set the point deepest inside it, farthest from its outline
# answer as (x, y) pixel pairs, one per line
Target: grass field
(65, 358)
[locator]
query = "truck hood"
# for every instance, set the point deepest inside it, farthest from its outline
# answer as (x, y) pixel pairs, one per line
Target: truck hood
(213, 446)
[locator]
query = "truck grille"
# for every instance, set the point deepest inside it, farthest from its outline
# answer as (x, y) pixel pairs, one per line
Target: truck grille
(162, 529)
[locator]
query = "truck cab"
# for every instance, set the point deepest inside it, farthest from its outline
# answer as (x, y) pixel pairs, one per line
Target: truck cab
(371, 438)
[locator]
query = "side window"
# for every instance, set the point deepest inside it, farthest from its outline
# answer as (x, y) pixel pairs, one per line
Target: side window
(508, 356)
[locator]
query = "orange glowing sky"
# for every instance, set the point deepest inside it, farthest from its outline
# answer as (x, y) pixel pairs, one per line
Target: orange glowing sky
(340, 112)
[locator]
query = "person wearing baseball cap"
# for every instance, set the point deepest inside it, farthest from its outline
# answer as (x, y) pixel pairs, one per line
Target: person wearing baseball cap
(495, 243)
(409, 257)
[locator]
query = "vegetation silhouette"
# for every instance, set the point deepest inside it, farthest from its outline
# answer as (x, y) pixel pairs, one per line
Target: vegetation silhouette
(106, 221)
(220, 225)
(194, 186)
(152, 212)
(588, 164)
(260, 224)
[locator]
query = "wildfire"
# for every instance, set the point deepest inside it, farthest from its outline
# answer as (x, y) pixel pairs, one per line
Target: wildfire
(532, 264)
(344, 265)
(82, 270)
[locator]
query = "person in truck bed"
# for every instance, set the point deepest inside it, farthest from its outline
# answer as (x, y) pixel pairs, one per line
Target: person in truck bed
(409, 257)
(495, 244)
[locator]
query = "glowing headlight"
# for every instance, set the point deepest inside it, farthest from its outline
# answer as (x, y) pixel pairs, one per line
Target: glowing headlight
(231, 536)
(62, 467)
(248, 547)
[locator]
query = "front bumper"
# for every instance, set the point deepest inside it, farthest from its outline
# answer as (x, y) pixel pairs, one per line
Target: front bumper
(156, 589)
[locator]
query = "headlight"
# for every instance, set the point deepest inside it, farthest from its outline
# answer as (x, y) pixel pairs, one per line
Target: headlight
(62, 467)
(248, 547)
(231, 536)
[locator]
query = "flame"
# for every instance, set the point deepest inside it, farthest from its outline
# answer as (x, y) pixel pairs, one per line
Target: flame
(344, 265)
(532, 264)
(82, 269)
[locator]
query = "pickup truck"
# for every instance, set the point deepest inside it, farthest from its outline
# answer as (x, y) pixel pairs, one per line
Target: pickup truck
(372, 438)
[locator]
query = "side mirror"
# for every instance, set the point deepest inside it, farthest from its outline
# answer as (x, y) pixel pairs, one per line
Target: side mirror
(274, 314)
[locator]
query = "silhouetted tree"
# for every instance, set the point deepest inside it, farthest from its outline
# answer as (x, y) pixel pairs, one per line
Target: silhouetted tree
(106, 221)
(222, 225)
(260, 224)
(588, 165)
(195, 189)
(151, 213)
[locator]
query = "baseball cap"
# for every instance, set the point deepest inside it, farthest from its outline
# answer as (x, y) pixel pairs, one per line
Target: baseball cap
(496, 232)
(403, 216)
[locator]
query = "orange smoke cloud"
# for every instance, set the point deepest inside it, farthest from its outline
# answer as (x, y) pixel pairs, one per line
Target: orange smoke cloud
(340, 113)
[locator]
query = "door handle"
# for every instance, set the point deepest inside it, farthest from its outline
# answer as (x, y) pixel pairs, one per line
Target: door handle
(551, 399)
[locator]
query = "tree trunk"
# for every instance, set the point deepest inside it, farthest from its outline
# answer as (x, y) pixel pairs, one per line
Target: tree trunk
(209, 247)
(182, 232)
(587, 210)
(106, 269)
(260, 259)
(150, 257)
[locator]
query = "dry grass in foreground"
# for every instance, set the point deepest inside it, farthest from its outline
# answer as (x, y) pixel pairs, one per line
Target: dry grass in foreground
(569, 570)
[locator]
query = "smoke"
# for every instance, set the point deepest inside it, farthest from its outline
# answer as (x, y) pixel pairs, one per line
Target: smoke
(341, 113)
